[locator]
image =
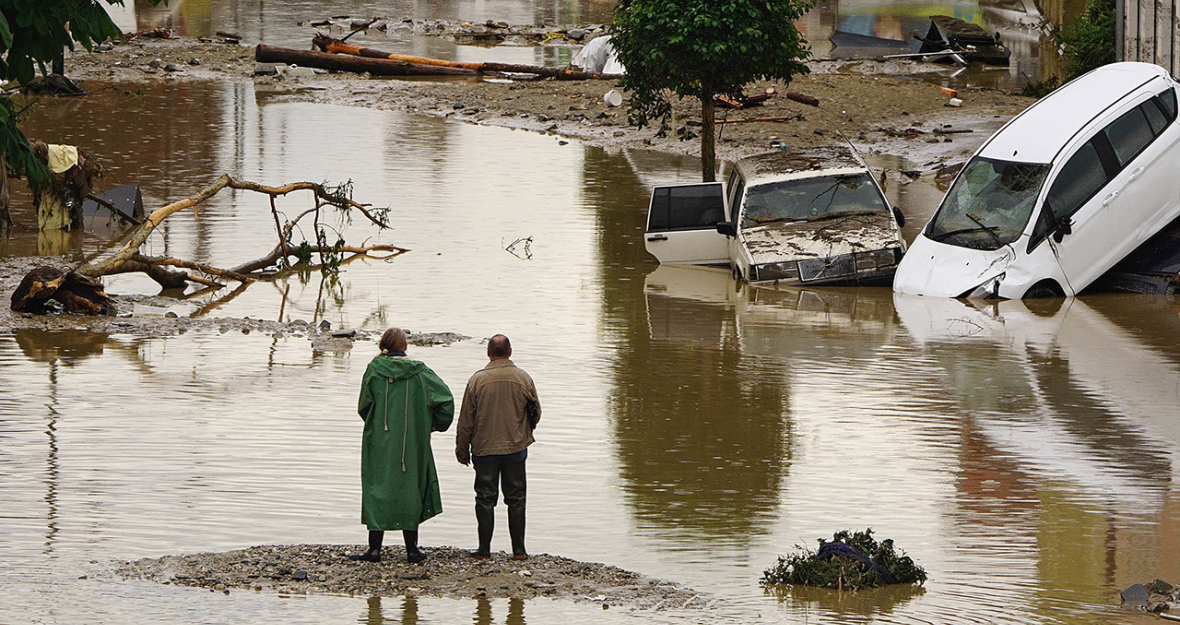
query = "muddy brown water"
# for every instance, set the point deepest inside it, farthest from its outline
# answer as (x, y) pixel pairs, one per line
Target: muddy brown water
(694, 429)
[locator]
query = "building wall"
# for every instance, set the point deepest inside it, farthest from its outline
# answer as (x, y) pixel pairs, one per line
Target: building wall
(1148, 32)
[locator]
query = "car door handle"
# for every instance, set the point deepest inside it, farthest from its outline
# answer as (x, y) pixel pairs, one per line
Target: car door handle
(1109, 198)
(657, 237)
(1135, 174)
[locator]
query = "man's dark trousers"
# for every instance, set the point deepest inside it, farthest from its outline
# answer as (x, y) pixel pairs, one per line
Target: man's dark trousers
(489, 477)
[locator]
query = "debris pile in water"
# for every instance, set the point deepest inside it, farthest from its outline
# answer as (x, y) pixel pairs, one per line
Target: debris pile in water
(851, 561)
(1156, 596)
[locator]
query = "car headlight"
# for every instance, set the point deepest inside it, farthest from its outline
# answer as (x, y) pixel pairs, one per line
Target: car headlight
(788, 270)
(990, 289)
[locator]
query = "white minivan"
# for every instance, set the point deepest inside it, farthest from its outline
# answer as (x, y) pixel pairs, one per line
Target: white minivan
(814, 216)
(1059, 194)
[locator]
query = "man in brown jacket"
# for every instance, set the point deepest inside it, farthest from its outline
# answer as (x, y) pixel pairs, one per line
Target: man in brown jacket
(496, 421)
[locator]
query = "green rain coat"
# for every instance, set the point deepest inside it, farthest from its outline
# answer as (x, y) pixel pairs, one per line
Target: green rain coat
(402, 401)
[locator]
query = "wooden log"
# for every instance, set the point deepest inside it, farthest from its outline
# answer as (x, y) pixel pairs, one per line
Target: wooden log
(803, 98)
(76, 293)
(334, 46)
(376, 67)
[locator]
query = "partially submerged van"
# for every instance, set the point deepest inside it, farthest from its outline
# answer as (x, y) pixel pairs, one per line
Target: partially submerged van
(1058, 195)
(802, 217)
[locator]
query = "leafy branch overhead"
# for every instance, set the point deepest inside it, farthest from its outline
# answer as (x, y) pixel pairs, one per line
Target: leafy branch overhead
(33, 34)
(702, 48)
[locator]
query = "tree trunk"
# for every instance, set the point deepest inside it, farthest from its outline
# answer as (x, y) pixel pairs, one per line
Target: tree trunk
(347, 63)
(708, 139)
(5, 218)
(336, 46)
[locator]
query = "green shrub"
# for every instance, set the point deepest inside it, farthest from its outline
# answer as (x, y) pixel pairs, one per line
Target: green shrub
(1089, 42)
(808, 568)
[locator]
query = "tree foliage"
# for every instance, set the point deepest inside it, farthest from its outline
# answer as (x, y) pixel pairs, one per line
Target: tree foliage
(1089, 42)
(701, 48)
(33, 33)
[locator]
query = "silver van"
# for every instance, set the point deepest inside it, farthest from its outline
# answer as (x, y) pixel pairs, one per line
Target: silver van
(1059, 194)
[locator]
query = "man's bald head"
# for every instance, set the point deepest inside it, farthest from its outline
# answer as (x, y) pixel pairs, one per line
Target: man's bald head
(499, 347)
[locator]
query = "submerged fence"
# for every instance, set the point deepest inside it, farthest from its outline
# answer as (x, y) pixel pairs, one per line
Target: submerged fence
(1146, 31)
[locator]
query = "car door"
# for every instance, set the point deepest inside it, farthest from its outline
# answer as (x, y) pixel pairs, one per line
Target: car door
(1153, 177)
(1102, 228)
(682, 225)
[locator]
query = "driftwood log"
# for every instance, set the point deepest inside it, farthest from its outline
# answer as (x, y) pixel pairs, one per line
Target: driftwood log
(336, 46)
(376, 67)
(76, 293)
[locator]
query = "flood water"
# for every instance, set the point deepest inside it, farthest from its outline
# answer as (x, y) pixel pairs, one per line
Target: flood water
(1024, 454)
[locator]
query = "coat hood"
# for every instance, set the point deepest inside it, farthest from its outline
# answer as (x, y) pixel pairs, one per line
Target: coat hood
(397, 368)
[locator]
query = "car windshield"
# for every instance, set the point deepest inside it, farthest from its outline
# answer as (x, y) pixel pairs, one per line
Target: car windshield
(989, 204)
(810, 199)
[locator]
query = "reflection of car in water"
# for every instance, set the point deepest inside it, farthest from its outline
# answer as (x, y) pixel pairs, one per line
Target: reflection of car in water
(815, 217)
(1059, 195)
(1040, 383)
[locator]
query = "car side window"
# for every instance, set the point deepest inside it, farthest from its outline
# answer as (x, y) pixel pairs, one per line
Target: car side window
(691, 207)
(735, 198)
(1129, 134)
(1081, 177)
(1167, 102)
(1155, 117)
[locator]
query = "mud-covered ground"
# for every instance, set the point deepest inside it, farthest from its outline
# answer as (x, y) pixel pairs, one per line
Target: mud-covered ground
(447, 572)
(879, 106)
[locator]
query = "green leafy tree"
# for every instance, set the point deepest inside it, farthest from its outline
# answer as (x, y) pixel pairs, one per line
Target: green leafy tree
(1088, 43)
(703, 48)
(33, 33)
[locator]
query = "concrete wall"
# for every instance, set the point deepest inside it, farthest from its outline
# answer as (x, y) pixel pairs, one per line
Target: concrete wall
(1148, 32)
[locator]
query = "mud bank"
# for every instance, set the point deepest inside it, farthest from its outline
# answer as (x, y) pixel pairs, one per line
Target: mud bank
(880, 106)
(448, 572)
(149, 316)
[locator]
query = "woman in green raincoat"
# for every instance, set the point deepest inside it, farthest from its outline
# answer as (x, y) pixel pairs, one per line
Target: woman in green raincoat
(402, 401)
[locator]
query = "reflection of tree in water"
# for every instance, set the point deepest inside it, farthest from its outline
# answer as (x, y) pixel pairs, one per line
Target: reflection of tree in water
(867, 602)
(700, 433)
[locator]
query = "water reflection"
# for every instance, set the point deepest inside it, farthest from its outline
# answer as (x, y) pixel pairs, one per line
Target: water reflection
(279, 22)
(870, 603)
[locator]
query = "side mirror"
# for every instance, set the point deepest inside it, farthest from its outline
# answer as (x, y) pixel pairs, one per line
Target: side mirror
(1064, 227)
(899, 216)
(727, 228)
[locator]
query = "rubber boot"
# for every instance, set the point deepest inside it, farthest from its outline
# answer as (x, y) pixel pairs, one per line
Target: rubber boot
(373, 553)
(486, 494)
(516, 531)
(413, 553)
(486, 517)
(513, 480)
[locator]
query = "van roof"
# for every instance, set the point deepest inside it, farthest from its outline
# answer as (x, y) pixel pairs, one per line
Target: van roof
(1041, 131)
(789, 163)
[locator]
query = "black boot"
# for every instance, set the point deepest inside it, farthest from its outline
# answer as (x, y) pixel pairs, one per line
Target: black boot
(413, 553)
(373, 553)
(514, 498)
(486, 518)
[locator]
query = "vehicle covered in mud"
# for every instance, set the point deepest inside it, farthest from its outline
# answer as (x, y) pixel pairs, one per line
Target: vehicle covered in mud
(1059, 195)
(814, 217)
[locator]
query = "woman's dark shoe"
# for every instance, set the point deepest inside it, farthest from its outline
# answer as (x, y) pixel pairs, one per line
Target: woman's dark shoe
(480, 555)
(368, 555)
(416, 557)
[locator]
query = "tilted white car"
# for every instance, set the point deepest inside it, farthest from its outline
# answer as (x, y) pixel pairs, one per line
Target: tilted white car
(1059, 195)
(813, 217)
